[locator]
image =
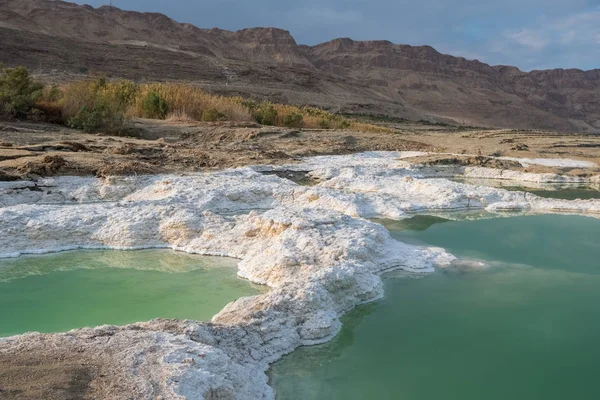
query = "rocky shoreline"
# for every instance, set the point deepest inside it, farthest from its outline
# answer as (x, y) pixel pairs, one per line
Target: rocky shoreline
(310, 244)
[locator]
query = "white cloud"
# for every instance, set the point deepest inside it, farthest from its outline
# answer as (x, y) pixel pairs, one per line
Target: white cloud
(579, 29)
(530, 38)
(324, 15)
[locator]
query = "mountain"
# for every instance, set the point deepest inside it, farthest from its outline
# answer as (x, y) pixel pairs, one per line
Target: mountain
(376, 77)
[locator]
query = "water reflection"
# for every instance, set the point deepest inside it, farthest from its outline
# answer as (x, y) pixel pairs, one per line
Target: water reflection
(147, 260)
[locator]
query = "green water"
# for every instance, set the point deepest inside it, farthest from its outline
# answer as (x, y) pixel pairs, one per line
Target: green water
(63, 291)
(525, 327)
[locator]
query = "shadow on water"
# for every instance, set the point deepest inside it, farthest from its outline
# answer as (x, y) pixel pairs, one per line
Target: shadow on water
(416, 223)
(312, 357)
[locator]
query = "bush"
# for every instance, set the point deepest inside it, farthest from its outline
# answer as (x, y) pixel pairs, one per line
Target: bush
(51, 94)
(213, 115)
(94, 105)
(46, 112)
(18, 92)
(155, 106)
(99, 116)
(293, 120)
(265, 114)
(324, 124)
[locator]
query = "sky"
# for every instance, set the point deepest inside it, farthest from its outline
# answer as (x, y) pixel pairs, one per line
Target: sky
(529, 34)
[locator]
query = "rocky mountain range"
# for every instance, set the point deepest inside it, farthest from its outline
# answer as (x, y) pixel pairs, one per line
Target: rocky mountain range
(362, 77)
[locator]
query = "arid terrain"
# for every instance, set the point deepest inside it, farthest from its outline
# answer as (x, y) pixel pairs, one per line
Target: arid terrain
(30, 150)
(451, 110)
(374, 77)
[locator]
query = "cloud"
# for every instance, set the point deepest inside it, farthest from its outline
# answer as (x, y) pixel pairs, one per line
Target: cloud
(530, 38)
(327, 15)
(579, 29)
(570, 40)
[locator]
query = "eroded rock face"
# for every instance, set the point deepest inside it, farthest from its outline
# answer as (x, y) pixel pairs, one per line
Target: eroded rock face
(311, 245)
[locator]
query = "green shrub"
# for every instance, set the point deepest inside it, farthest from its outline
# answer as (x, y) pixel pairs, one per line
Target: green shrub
(99, 116)
(343, 124)
(250, 104)
(53, 94)
(212, 115)
(93, 105)
(293, 120)
(265, 114)
(18, 92)
(155, 106)
(324, 124)
(125, 92)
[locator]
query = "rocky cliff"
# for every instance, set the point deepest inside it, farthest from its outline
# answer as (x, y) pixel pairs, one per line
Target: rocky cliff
(343, 75)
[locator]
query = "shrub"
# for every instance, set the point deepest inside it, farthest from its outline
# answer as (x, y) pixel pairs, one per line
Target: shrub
(212, 115)
(155, 106)
(94, 105)
(100, 104)
(46, 112)
(18, 92)
(51, 94)
(265, 114)
(324, 124)
(125, 92)
(101, 115)
(250, 104)
(293, 120)
(190, 101)
(343, 124)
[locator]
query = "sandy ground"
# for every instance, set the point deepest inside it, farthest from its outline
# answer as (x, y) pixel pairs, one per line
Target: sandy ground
(41, 375)
(30, 150)
(509, 143)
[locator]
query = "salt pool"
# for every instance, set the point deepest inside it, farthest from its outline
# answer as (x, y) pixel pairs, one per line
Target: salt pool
(517, 320)
(74, 289)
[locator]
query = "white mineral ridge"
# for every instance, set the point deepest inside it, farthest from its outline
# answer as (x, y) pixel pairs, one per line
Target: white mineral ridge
(310, 245)
(552, 162)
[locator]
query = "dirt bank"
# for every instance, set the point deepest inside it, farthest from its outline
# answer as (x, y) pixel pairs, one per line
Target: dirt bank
(28, 150)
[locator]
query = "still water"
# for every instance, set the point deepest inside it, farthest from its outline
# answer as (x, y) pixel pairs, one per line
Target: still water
(74, 289)
(520, 320)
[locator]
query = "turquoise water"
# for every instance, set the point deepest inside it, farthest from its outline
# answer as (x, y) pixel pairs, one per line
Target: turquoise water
(63, 291)
(525, 327)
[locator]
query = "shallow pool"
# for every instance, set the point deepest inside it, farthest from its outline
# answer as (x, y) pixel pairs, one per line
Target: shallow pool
(62, 291)
(522, 324)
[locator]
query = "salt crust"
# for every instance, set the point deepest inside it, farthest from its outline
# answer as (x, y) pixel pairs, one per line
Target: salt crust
(310, 244)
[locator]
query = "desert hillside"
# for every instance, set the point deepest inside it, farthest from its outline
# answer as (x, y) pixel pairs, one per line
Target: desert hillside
(57, 38)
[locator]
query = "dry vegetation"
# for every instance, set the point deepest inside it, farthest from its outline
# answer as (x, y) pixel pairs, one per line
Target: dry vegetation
(99, 104)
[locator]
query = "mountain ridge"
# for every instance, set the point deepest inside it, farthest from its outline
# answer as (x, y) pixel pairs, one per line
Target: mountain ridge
(377, 76)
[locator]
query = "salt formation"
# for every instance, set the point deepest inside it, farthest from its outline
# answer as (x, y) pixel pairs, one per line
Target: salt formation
(310, 245)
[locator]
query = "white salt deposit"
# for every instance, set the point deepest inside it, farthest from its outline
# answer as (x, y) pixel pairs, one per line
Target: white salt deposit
(311, 245)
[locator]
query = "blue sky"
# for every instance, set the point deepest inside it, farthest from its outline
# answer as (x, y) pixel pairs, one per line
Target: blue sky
(530, 34)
